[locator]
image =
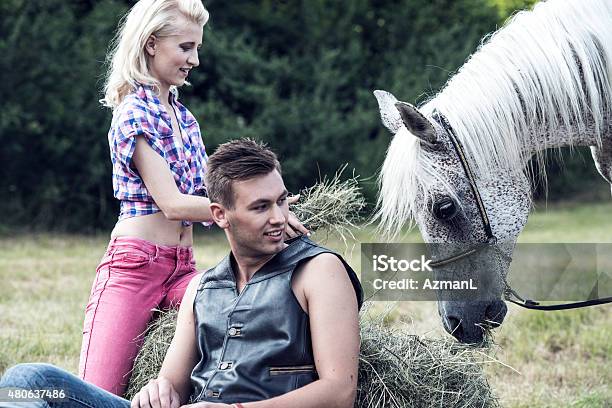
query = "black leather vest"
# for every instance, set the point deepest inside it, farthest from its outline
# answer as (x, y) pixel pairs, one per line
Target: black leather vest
(255, 345)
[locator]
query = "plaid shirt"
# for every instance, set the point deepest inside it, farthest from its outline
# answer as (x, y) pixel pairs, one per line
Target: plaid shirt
(141, 113)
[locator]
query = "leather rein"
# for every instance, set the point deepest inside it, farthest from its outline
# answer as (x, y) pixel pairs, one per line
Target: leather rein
(509, 294)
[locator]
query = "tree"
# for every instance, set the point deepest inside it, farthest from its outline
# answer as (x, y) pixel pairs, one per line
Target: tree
(298, 74)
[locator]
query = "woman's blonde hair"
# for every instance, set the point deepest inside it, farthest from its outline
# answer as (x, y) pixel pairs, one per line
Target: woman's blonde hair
(127, 59)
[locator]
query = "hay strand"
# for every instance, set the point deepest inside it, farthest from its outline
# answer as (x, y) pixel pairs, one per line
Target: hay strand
(331, 206)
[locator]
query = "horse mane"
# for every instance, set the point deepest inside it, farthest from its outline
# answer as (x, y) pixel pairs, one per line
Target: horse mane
(547, 69)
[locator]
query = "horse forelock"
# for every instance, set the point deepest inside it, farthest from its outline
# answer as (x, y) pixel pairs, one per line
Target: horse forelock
(407, 180)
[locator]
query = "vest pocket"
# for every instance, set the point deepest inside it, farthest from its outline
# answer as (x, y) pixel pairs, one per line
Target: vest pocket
(288, 370)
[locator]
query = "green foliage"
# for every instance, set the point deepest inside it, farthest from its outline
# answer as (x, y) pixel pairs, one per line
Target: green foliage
(507, 7)
(297, 74)
(55, 163)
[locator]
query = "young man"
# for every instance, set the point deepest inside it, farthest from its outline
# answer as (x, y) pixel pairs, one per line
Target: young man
(275, 323)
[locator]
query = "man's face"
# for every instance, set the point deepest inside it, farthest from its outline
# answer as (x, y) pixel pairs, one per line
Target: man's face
(257, 221)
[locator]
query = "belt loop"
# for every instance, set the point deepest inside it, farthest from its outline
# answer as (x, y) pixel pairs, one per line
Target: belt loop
(111, 249)
(111, 245)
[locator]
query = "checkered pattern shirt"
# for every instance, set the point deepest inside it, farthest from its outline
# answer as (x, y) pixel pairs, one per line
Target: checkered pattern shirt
(141, 113)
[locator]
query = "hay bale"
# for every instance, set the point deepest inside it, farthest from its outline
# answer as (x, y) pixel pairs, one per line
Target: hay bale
(396, 369)
(149, 360)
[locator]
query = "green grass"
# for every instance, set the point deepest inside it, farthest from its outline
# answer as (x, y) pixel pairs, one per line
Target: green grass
(569, 223)
(562, 357)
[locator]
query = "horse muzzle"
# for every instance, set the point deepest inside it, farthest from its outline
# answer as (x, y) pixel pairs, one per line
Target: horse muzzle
(469, 321)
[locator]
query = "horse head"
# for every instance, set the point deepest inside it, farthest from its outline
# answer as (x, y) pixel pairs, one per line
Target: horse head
(424, 182)
(459, 167)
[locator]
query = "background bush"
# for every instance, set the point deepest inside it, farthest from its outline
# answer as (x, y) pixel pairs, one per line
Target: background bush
(297, 74)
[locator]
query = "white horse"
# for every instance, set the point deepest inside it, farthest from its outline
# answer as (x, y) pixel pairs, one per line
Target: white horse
(542, 81)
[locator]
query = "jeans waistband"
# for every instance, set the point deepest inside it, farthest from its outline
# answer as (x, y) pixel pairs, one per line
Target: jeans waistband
(153, 249)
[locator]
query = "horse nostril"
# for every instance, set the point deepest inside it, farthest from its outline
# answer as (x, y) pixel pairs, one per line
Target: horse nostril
(495, 314)
(455, 327)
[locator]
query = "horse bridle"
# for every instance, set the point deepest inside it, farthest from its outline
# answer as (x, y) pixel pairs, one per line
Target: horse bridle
(491, 242)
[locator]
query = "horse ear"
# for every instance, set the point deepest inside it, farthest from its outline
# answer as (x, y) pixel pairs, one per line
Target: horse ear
(388, 112)
(416, 123)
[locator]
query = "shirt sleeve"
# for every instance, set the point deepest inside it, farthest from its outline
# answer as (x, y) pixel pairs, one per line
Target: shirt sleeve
(131, 120)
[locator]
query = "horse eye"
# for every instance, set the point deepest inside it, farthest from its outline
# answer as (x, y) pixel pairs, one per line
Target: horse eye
(444, 209)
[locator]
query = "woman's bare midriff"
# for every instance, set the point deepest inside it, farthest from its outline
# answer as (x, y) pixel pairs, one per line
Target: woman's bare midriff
(155, 228)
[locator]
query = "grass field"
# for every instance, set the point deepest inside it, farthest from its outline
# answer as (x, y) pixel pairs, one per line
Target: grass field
(558, 359)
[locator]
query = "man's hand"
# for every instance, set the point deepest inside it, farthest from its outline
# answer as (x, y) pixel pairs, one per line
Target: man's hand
(294, 226)
(158, 393)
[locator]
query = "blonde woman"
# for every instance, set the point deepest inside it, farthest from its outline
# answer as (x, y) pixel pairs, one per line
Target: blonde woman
(159, 162)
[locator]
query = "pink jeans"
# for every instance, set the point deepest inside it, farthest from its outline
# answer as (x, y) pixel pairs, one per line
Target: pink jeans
(134, 277)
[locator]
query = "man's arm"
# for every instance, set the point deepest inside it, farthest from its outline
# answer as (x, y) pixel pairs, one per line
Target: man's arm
(334, 324)
(172, 386)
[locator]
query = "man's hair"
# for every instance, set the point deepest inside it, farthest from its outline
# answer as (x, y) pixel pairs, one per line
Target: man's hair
(238, 160)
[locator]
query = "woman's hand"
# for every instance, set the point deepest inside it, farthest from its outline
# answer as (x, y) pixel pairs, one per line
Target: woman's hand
(294, 227)
(158, 393)
(208, 405)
